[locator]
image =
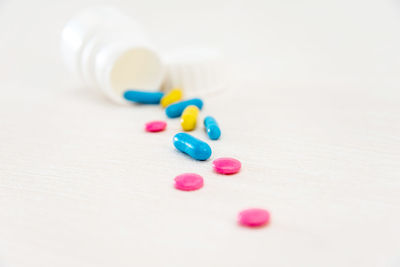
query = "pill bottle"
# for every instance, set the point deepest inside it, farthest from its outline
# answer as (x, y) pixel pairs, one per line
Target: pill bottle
(108, 50)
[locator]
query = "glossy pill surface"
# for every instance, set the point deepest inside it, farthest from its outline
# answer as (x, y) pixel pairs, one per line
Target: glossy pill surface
(155, 126)
(212, 128)
(175, 110)
(188, 182)
(254, 217)
(192, 146)
(227, 165)
(189, 118)
(173, 96)
(143, 97)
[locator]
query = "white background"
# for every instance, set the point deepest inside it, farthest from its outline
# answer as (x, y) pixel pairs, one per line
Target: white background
(313, 113)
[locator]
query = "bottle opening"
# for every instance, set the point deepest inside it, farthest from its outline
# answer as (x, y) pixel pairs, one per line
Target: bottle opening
(138, 68)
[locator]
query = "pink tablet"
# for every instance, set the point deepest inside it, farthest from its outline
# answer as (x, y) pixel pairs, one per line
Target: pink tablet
(188, 182)
(155, 126)
(227, 165)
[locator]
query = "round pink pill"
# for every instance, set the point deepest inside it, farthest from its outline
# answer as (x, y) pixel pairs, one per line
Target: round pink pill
(253, 217)
(156, 126)
(227, 165)
(188, 182)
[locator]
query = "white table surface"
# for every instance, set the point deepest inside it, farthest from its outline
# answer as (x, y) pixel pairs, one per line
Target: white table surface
(313, 113)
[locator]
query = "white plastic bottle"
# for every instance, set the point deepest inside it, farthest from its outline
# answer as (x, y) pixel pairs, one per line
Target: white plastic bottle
(107, 50)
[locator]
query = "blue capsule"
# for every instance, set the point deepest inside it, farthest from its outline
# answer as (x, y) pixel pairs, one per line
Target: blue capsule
(143, 97)
(192, 146)
(176, 109)
(212, 128)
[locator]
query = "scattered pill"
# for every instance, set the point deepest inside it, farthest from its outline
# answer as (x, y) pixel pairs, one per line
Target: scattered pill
(143, 97)
(188, 182)
(254, 217)
(192, 146)
(155, 126)
(212, 128)
(189, 118)
(227, 165)
(175, 110)
(173, 96)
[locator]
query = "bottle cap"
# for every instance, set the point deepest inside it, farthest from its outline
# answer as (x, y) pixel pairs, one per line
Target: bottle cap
(198, 71)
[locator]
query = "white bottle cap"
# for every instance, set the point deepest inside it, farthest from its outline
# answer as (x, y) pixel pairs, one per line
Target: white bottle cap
(198, 71)
(107, 50)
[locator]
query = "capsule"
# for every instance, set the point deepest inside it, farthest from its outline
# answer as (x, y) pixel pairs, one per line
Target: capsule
(175, 110)
(174, 96)
(189, 118)
(143, 97)
(192, 146)
(212, 128)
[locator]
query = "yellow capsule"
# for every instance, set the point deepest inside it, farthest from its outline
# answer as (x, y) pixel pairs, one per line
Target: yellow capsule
(189, 118)
(173, 96)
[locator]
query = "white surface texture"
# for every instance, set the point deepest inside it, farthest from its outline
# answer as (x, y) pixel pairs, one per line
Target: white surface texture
(313, 113)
